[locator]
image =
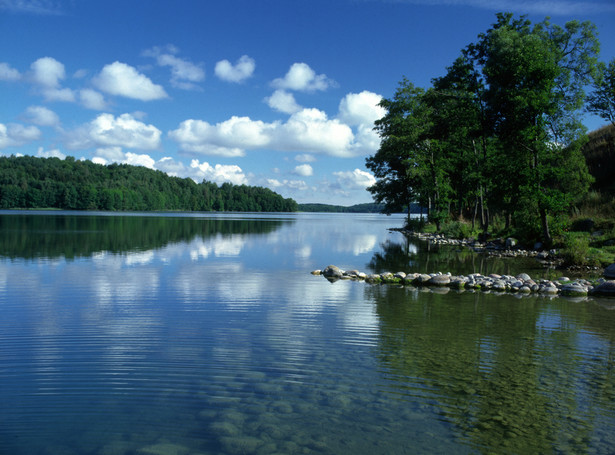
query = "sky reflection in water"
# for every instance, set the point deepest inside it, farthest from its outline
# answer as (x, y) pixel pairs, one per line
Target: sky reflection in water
(209, 335)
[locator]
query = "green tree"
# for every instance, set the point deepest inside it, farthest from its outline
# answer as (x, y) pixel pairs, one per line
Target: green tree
(395, 165)
(535, 77)
(458, 101)
(602, 100)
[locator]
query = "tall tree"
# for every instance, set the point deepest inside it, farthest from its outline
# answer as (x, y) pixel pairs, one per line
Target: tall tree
(458, 101)
(535, 77)
(395, 164)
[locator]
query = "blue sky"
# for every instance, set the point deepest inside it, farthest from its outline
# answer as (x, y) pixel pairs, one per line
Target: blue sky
(274, 93)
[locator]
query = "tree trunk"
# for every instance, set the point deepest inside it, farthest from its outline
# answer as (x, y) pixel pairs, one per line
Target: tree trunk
(546, 235)
(475, 212)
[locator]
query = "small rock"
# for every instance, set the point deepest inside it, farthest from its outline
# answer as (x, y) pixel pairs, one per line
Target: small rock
(549, 290)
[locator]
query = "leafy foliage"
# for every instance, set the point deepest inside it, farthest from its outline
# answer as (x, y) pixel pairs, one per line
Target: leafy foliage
(29, 182)
(500, 133)
(602, 100)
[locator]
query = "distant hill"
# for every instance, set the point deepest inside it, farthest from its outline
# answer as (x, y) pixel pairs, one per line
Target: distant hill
(599, 154)
(358, 208)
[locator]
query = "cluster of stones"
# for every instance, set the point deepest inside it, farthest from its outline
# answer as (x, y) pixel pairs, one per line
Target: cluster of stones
(521, 283)
(498, 248)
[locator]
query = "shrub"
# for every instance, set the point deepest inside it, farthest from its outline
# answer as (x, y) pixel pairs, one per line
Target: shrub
(576, 248)
(457, 230)
(416, 224)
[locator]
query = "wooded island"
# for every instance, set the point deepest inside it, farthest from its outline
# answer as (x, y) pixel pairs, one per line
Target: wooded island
(29, 182)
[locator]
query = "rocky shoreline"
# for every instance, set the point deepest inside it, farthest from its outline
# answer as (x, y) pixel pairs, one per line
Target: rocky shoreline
(520, 284)
(501, 248)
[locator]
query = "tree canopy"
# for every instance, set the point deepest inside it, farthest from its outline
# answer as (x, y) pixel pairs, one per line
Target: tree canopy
(29, 182)
(499, 133)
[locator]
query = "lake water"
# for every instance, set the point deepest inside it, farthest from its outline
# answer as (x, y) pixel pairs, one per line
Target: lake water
(174, 334)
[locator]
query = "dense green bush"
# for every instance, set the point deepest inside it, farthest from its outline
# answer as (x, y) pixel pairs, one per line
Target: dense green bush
(576, 248)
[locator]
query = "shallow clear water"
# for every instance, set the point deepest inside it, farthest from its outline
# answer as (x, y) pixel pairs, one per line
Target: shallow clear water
(206, 334)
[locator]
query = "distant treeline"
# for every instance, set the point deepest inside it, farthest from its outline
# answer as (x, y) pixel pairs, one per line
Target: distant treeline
(29, 182)
(358, 208)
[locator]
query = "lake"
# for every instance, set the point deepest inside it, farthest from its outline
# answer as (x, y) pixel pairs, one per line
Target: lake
(187, 334)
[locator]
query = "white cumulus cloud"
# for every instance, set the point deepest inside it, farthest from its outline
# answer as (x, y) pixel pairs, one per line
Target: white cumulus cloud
(55, 153)
(301, 77)
(354, 179)
(229, 138)
(184, 73)
(197, 171)
(107, 155)
(305, 158)
(14, 134)
(309, 130)
(47, 73)
(42, 116)
(293, 185)
(91, 99)
(7, 73)
(304, 170)
(121, 79)
(361, 108)
(240, 71)
(122, 131)
(283, 101)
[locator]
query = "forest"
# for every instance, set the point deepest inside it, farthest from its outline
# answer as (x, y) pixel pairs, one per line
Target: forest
(498, 139)
(28, 182)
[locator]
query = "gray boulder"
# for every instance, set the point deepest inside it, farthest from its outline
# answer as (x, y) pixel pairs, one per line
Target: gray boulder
(609, 272)
(606, 288)
(332, 271)
(422, 278)
(574, 290)
(440, 280)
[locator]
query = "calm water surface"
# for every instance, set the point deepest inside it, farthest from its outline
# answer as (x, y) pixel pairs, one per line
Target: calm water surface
(206, 334)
